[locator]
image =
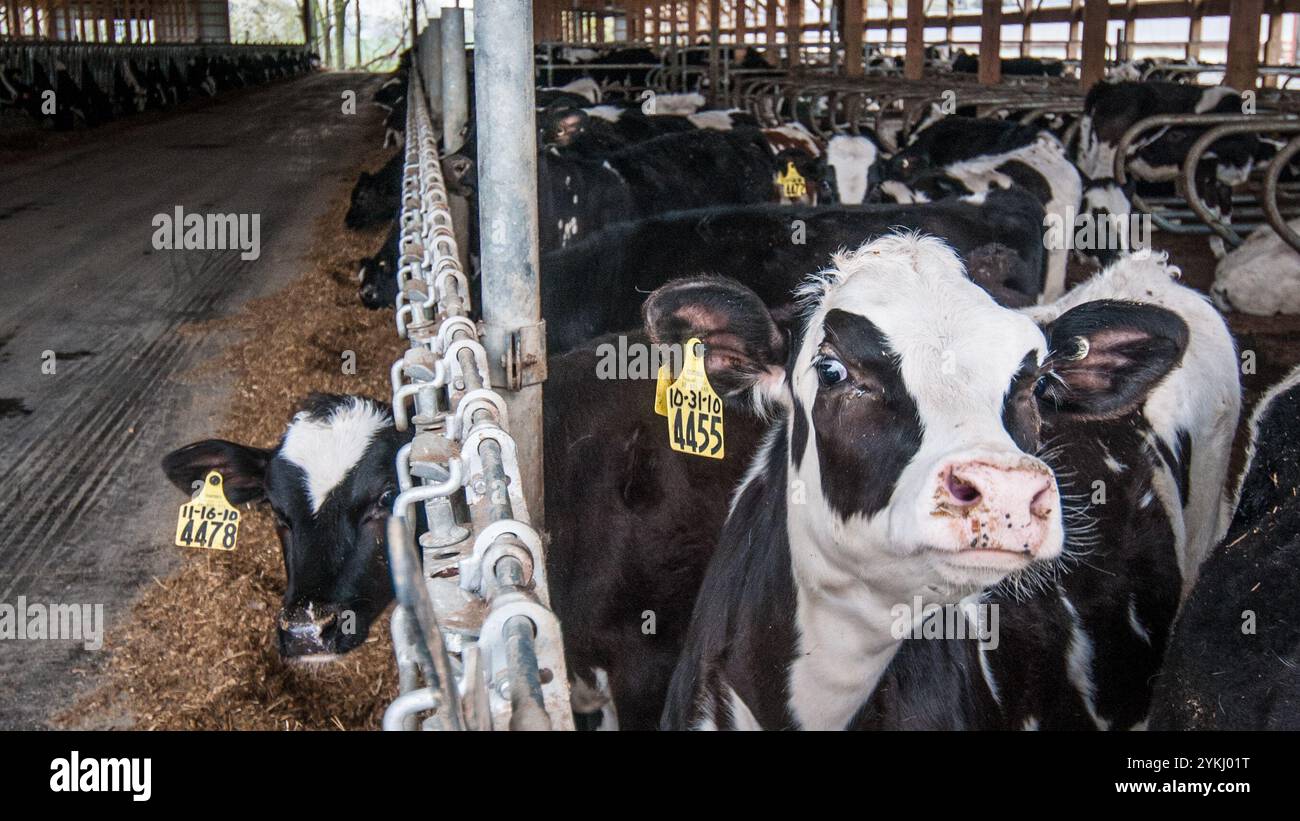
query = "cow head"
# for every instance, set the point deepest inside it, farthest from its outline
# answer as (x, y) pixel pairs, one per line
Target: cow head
(330, 484)
(1106, 203)
(852, 170)
(913, 406)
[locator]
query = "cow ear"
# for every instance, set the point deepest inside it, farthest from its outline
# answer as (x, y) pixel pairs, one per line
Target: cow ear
(744, 348)
(1106, 356)
(242, 469)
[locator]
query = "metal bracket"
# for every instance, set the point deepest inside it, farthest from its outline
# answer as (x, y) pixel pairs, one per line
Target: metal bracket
(525, 360)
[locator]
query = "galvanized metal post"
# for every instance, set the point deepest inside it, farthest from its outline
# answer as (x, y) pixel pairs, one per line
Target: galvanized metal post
(431, 65)
(455, 105)
(515, 337)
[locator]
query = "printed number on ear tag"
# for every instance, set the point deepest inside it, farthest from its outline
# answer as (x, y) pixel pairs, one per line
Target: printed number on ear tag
(792, 182)
(694, 410)
(208, 520)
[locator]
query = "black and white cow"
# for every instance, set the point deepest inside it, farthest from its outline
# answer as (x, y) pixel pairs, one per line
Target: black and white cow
(331, 485)
(854, 165)
(1261, 276)
(964, 63)
(1234, 659)
(1156, 158)
(963, 155)
(929, 446)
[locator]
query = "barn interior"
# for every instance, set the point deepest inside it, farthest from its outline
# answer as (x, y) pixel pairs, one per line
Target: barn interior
(118, 348)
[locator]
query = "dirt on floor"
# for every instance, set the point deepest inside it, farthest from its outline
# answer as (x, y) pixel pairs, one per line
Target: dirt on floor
(198, 651)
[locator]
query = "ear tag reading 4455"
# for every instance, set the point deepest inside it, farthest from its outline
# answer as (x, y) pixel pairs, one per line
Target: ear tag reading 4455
(694, 410)
(208, 520)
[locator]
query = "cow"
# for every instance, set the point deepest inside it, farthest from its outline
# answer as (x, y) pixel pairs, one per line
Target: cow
(597, 284)
(853, 169)
(964, 63)
(374, 198)
(694, 169)
(330, 484)
(376, 275)
(891, 485)
(962, 155)
(1231, 664)
(1261, 277)
(1156, 158)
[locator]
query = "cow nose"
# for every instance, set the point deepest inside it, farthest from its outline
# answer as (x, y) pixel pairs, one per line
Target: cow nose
(307, 630)
(1006, 506)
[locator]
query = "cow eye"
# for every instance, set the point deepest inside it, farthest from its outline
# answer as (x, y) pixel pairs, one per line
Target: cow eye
(830, 371)
(1041, 386)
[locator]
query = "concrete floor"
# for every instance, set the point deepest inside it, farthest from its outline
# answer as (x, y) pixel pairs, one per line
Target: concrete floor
(83, 504)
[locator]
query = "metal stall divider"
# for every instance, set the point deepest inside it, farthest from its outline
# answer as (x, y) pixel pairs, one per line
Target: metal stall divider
(477, 644)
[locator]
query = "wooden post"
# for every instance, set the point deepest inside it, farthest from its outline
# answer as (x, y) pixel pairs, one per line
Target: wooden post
(1243, 43)
(1095, 15)
(990, 73)
(947, 22)
(1194, 35)
(793, 31)
(741, 31)
(1273, 47)
(851, 35)
(914, 61)
(770, 9)
(1075, 46)
(1130, 30)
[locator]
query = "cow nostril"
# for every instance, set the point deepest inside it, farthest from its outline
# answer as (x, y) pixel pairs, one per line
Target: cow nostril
(1044, 503)
(962, 491)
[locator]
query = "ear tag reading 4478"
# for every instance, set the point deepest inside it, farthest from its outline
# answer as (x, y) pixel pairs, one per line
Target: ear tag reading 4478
(208, 520)
(694, 410)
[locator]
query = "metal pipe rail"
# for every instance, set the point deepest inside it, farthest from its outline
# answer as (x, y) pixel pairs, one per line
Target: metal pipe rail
(477, 644)
(1220, 125)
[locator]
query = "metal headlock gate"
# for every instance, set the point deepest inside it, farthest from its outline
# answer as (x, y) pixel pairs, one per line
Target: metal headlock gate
(477, 645)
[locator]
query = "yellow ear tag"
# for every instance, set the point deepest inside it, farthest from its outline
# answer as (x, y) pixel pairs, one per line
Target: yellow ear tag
(792, 183)
(661, 389)
(208, 520)
(694, 410)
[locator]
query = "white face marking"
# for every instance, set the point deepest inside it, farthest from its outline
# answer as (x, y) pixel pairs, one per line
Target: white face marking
(713, 120)
(851, 159)
(678, 103)
(608, 113)
(326, 450)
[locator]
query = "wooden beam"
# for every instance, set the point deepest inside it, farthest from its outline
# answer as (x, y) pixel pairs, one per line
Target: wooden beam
(793, 32)
(1273, 46)
(851, 33)
(1095, 15)
(1243, 43)
(742, 25)
(1194, 34)
(770, 8)
(914, 61)
(990, 72)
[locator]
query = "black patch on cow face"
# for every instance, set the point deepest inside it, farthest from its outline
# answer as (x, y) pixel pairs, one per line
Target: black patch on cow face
(866, 424)
(1020, 412)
